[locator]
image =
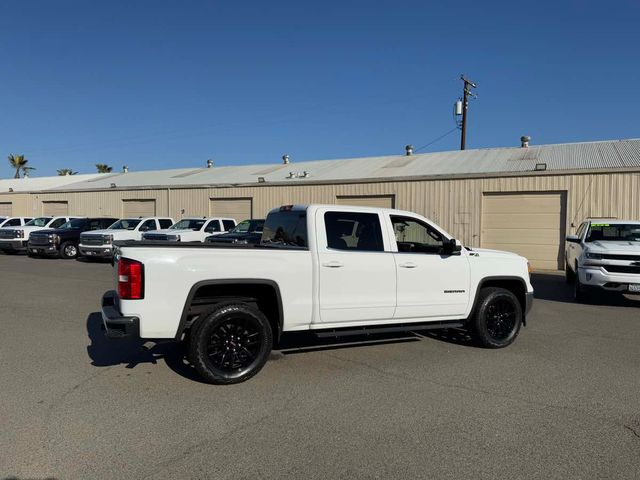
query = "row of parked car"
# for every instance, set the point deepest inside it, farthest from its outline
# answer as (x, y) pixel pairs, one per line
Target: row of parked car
(73, 236)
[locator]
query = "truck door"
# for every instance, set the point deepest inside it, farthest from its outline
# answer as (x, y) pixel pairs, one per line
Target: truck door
(430, 283)
(356, 267)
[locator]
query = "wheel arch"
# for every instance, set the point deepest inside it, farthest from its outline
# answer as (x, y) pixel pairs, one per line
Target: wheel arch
(515, 285)
(265, 293)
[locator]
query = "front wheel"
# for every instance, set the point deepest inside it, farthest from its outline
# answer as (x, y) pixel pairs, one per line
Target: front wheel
(569, 275)
(68, 250)
(497, 318)
(230, 344)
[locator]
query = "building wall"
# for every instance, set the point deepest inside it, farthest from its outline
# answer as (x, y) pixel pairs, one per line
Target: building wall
(455, 204)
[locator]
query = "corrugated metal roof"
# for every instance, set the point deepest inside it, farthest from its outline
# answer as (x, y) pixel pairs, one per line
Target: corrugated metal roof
(43, 183)
(561, 157)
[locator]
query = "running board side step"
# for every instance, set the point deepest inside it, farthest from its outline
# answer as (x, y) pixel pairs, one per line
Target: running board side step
(338, 332)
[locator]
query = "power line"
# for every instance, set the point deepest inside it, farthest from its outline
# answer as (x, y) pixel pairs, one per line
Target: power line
(436, 139)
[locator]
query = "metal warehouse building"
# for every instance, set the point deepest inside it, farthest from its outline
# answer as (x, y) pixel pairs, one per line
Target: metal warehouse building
(519, 199)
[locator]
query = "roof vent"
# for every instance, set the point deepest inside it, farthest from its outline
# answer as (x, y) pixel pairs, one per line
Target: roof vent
(209, 163)
(408, 150)
(125, 169)
(285, 159)
(524, 141)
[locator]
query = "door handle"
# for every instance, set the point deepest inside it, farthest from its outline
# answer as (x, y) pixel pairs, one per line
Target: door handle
(333, 264)
(408, 265)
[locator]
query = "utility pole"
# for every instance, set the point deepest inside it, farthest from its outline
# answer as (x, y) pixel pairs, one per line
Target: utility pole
(468, 84)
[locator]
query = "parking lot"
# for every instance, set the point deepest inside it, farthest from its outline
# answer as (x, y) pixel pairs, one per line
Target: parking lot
(562, 402)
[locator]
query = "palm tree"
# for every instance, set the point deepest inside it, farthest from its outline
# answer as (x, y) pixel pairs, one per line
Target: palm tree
(19, 163)
(66, 171)
(103, 168)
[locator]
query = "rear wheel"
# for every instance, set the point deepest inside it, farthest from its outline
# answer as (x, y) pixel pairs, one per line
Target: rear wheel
(230, 344)
(497, 318)
(68, 250)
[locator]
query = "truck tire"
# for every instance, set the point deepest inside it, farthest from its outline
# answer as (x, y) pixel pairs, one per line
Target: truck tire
(569, 275)
(497, 318)
(68, 250)
(230, 343)
(579, 294)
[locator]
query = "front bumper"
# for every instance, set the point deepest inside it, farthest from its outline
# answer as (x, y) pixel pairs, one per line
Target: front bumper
(528, 302)
(102, 252)
(116, 325)
(42, 249)
(598, 277)
(13, 245)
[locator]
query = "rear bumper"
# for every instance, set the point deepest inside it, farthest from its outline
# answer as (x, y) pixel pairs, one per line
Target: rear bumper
(528, 302)
(103, 252)
(13, 245)
(115, 325)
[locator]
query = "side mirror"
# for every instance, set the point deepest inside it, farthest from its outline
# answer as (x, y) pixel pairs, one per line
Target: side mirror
(451, 247)
(573, 239)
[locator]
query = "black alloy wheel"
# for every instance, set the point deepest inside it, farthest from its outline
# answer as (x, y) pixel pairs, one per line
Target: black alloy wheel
(497, 317)
(230, 343)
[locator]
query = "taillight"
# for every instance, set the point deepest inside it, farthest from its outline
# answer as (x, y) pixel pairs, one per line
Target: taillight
(130, 279)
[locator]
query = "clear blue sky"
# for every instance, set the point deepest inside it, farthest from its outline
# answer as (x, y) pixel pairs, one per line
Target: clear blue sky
(167, 84)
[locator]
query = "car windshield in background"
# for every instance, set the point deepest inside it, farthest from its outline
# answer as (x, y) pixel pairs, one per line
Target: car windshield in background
(286, 227)
(248, 226)
(38, 222)
(125, 224)
(617, 232)
(188, 224)
(75, 223)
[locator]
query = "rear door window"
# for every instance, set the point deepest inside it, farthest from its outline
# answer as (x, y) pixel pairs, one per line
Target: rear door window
(165, 223)
(148, 225)
(228, 224)
(353, 231)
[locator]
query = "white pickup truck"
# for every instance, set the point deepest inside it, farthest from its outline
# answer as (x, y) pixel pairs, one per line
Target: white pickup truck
(604, 255)
(334, 270)
(191, 230)
(99, 243)
(6, 222)
(16, 239)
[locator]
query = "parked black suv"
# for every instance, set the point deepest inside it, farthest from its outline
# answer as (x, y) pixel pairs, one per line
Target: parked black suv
(63, 241)
(247, 231)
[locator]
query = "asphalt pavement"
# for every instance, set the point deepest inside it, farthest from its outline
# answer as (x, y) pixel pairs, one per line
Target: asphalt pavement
(562, 402)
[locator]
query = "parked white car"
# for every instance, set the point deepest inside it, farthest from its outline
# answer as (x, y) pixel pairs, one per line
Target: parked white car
(332, 270)
(99, 243)
(192, 230)
(604, 255)
(8, 222)
(15, 239)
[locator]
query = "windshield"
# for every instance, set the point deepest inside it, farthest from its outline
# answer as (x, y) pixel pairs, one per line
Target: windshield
(248, 226)
(286, 227)
(188, 224)
(75, 223)
(125, 224)
(38, 222)
(620, 232)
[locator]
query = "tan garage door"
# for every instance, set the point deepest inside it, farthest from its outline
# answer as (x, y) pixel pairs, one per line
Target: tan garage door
(531, 224)
(139, 208)
(380, 201)
(55, 208)
(236, 208)
(6, 209)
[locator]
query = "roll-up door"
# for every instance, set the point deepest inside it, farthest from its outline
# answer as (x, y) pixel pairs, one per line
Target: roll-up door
(530, 224)
(139, 208)
(236, 208)
(6, 209)
(380, 201)
(55, 208)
